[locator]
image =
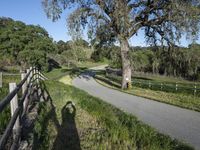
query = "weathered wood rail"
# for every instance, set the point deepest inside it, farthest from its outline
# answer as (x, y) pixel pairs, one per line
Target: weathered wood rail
(29, 80)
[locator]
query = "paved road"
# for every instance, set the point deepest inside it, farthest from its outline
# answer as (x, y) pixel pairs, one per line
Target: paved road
(179, 123)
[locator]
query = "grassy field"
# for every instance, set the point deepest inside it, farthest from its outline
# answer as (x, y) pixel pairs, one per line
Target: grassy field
(162, 78)
(5, 115)
(179, 99)
(91, 124)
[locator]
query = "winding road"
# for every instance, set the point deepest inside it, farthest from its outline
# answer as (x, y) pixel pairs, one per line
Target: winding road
(176, 122)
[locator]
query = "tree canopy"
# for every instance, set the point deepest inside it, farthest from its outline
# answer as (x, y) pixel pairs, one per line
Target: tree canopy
(164, 21)
(23, 44)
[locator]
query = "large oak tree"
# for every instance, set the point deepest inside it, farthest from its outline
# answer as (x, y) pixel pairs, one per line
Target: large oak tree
(164, 21)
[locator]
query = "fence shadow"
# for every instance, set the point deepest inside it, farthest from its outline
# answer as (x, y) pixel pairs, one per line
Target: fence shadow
(41, 137)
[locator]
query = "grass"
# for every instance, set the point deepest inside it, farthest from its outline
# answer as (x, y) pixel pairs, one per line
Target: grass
(178, 99)
(160, 78)
(90, 64)
(5, 115)
(93, 125)
(56, 74)
(66, 80)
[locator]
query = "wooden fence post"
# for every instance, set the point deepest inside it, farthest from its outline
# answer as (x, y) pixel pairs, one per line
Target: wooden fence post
(37, 75)
(28, 79)
(24, 86)
(149, 84)
(31, 74)
(31, 71)
(14, 106)
(39, 86)
(1, 79)
(195, 89)
(176, 86)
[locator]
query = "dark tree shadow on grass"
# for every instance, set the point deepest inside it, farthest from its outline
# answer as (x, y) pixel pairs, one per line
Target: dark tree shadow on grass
(67, 137)
(41, 137)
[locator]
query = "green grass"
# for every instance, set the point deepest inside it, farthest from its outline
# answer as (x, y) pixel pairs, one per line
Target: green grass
(66, 80)
(160, 78)
(98, 125)
(56, 74)
(179, 99)
(5, 115)
(90, 64)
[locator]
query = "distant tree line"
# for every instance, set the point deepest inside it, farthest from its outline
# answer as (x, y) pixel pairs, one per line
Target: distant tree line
(170, 61)
(29, 45)
(24, 45)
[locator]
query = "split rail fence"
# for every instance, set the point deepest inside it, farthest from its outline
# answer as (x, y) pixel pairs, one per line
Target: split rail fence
(18, 106)
(192, 89)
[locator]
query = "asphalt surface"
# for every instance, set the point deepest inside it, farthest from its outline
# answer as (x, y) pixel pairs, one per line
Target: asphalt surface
(176, 122)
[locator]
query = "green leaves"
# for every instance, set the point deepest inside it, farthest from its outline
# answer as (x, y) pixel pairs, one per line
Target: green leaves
(25, 44)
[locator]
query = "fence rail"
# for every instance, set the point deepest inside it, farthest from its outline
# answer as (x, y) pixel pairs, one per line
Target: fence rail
(29, 79)
(193, 89)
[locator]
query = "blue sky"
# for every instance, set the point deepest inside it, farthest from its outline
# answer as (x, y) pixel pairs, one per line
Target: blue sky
(31, 12)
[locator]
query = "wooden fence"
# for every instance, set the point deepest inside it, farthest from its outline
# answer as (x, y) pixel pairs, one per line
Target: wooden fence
(18, 106)
(1, 82)
(192, 89)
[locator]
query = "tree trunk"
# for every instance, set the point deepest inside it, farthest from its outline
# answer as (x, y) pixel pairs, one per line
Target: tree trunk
(126, 65)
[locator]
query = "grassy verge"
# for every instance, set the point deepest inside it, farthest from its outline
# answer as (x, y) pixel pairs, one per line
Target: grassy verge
(178, 99)
(160, 78)
(92, 124)
(90, 64)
